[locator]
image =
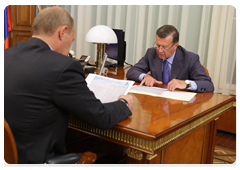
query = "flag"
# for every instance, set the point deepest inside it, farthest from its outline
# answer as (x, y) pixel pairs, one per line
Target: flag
(7, 26)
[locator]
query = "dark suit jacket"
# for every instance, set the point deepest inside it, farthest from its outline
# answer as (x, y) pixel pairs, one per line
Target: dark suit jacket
(185, 66)
(41, 89)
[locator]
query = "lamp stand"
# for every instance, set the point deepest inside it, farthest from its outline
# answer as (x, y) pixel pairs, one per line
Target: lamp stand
(100, 53)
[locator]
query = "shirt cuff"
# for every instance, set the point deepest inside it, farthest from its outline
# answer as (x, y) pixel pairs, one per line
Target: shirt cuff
(193, 86)
(140, 77)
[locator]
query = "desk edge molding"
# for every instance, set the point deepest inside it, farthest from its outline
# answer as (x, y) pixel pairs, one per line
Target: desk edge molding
(145, 144)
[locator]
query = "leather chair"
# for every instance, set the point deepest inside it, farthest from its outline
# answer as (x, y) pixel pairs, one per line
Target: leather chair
(206, 70)
(11, 156)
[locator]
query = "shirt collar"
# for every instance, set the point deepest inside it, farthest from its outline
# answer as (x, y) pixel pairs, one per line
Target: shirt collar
(170, 59)
(50, 47)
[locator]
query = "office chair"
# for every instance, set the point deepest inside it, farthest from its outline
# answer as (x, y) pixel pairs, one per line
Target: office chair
(11, 156)
(205, 70)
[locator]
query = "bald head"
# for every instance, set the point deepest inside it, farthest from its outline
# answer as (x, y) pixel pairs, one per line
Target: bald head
(56, 28)
(51, 18)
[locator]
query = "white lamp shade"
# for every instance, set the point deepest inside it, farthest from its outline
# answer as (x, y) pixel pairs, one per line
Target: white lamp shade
(101, 34)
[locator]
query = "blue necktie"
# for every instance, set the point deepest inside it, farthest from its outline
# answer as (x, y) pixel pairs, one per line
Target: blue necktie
(166, 72)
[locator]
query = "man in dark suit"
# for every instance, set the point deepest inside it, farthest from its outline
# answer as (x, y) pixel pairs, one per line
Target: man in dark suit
(182, 69)
(43, 87)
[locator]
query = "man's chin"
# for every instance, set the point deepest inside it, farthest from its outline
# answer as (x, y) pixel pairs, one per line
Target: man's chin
(162, 57)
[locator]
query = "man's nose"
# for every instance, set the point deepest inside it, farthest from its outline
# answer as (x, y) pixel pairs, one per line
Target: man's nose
(160, 49)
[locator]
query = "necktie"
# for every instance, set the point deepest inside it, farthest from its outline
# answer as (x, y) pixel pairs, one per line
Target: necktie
(166, 72)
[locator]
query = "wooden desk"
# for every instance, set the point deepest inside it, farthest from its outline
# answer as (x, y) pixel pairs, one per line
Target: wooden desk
(227, 121)
(164, 130)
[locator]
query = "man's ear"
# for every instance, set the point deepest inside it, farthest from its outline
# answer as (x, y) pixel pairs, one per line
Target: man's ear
(62, 32)
(176, 44)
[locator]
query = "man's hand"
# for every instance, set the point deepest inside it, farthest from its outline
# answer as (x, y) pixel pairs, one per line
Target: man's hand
(149, 81)
(174, 83)
(129, 99)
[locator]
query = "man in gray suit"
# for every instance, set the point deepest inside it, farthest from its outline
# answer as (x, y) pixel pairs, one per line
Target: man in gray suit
(182, 70)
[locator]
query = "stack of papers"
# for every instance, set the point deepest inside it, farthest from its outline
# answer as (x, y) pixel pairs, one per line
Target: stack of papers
(108, 89)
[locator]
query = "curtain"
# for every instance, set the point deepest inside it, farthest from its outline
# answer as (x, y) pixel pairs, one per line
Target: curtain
(207, 30)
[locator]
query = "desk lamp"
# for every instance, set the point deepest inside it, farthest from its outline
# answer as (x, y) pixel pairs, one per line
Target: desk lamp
(101, 35)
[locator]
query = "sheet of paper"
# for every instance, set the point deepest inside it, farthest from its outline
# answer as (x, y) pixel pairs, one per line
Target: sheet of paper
(160, 92)
(107, 89)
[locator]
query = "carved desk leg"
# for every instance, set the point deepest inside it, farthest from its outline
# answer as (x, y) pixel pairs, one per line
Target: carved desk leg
(138, 157)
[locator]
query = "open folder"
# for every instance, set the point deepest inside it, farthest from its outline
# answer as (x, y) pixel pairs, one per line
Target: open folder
(160, 92)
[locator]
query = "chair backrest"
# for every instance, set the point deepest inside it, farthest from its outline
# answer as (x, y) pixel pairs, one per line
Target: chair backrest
(205, 70)
(11, 155)
(10, 148)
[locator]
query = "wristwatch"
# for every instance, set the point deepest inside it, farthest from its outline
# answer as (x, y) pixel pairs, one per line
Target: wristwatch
(188, 83)
(124, 101)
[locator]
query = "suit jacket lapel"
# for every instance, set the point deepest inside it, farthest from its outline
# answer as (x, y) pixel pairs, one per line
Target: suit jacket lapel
(177, 64)
(158, 66)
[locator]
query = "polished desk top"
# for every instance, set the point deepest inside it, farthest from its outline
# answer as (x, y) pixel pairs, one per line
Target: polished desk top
(153, 117)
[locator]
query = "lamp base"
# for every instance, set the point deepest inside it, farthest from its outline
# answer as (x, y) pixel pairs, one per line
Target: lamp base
(100, 54)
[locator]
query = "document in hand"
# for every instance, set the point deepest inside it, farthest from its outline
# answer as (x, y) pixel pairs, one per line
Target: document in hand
(160, 92)
(107, 89)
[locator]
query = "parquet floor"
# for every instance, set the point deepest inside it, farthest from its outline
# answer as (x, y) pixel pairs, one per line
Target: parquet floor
(225, 148)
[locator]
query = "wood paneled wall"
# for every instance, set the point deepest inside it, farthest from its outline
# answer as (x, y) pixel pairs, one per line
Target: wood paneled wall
(22, 17)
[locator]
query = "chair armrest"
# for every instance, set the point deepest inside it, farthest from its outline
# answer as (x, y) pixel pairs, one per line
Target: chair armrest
(71, 158)
(74, 158)
(87, 158)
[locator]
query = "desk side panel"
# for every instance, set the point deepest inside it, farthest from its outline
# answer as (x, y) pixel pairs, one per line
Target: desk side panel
(227, 121)
(187, 150)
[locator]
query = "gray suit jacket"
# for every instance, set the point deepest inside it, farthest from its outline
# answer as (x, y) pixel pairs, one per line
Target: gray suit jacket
(185, 66)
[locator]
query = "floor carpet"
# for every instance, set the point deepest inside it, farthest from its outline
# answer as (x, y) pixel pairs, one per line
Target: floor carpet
(224, 156)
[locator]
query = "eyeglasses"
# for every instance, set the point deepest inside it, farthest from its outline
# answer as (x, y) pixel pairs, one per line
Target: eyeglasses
(163, 48)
